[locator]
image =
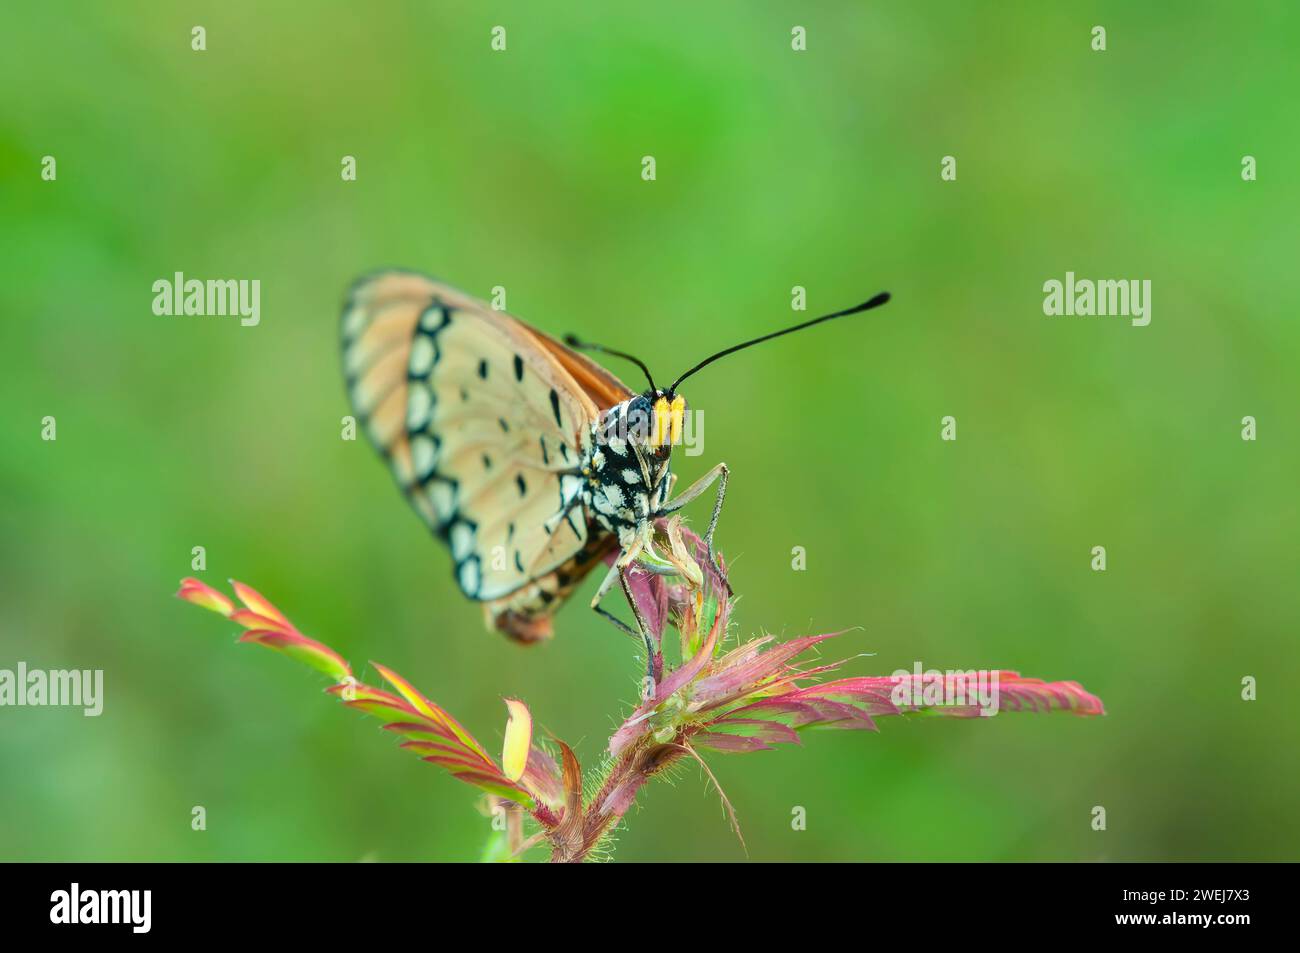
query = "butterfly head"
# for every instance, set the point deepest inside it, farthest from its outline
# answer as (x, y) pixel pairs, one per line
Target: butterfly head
(652, 421)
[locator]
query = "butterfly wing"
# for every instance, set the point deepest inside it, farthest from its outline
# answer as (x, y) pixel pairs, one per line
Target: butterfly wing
(600, 385)
(482, 420)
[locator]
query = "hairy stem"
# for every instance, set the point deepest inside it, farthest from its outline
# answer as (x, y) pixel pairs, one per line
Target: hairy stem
(615, 796)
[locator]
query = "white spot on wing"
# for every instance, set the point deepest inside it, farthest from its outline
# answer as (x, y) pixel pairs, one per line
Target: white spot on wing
(462, 541)
(469, 576)
(418, 404)
(444, 499)
(570, 486)
(421, 355)
(423, 455)
(354, 322)
(356, 394)
(355, 359)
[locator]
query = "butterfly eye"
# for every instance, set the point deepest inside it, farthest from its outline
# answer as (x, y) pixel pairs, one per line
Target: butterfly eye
(638, 420)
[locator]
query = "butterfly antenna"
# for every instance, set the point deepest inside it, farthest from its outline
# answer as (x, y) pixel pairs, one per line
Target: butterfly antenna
(875, 302)
(573, 341)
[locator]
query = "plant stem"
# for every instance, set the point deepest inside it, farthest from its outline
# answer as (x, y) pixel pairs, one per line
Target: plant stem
(629, 773)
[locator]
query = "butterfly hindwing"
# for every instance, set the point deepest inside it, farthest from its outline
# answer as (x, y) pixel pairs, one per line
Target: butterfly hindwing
(525, 614)
(482, 421)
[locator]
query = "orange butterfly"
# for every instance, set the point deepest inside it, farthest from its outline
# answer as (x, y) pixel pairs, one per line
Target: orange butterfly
(530, 461)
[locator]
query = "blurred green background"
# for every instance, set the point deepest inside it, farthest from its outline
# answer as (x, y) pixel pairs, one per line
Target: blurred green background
(775, 169)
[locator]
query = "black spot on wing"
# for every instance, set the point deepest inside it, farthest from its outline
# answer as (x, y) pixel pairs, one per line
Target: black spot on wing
(519, 482)
(555, 408)
(483, 369)
(519, 368)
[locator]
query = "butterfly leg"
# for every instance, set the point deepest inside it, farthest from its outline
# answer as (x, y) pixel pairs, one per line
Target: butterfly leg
(719, 475)
(617, 573)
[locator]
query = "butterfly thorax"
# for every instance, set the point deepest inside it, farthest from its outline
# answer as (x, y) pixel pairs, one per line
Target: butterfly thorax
(626, 469)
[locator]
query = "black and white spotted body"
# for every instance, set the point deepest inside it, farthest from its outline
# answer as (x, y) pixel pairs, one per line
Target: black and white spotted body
(626, 481)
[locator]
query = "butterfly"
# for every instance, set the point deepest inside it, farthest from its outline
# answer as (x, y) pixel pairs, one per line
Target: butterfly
(530, 461)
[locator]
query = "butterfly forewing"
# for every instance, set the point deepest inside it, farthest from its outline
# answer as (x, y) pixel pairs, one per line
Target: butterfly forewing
(482, 421)
(600, 385)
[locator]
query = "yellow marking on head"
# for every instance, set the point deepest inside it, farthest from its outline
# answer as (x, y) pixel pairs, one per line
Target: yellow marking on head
(678, 412)
(661, 424)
